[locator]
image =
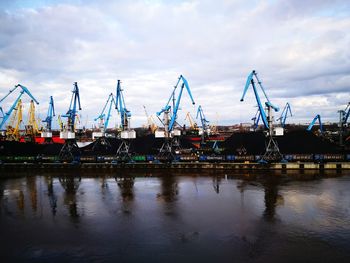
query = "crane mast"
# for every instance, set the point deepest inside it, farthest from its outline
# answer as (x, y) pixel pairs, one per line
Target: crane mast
(272, 152)
(126, 134)
(70, 148)
(170, 134)
(47, 132)
(204, 122)
(104, 118)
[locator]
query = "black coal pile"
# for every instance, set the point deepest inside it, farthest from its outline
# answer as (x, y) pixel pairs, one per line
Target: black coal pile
(146, 145)
(245, 143)
(12, 148)
(51, 149)
(302, 141)
(293, 142)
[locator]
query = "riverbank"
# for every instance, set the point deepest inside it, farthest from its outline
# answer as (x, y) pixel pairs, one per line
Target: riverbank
(181, 166)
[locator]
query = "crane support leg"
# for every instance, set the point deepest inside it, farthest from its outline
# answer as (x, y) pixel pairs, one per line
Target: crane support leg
(168, 150)
(123, 154)
(272, 152)
(69, 150)
(101, 144)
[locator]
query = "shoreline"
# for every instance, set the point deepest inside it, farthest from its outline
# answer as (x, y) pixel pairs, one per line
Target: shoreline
(296, 166)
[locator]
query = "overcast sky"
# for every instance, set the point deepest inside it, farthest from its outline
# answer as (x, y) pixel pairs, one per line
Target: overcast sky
(300, 49)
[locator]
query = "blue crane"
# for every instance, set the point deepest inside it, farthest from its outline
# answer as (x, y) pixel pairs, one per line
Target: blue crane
(8, 113)
(345, 114)
(72, 111)
(50, 114)
(284, 114)
(317, 117)
(250, 81)
(120, 106)
(176, 103)
(204, 121)
(256, 119)
(102, 116)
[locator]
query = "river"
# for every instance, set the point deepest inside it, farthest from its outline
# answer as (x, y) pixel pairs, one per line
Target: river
(169, 216)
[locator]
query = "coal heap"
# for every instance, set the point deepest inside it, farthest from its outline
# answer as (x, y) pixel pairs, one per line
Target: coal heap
(302, 141)
(146, 145)
(13, 148)
(293, 142)
(245, 143)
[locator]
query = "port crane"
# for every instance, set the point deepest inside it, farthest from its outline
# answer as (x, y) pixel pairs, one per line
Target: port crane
(103, 123)
(13, 128)
(70, 147)
(317, 118)
(343, 119)
(47, 132)
(32, 128)
(287, 109)
(8, 113)
(272, 151)
(150, 121)
(170, 134)
(193, 124)
(126, 133)
(256, 120)
(204, 122)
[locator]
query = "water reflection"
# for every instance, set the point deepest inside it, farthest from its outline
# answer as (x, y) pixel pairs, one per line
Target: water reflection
(216, 183)
(126, 186)
(169, 189)
(51, 194)
(32, 189)
(70, 185)
(270, 186)
(271, 197)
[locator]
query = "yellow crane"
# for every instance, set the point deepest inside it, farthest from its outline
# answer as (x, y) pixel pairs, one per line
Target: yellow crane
(150, 120)
(32, 128)
(12, 130)
(193, 124)
(60, 123)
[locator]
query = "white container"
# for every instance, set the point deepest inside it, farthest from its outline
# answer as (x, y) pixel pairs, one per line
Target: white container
(176, 132)
(46, 134)
(132, 134)
(159, 134)
(97, 135)
(278, 131)
(67, 135)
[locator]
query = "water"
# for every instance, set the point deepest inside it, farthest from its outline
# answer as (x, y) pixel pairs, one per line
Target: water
(173, 217)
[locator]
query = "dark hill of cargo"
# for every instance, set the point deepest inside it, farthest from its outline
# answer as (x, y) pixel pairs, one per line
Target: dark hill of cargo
(301, 141)
(293, 142)
(245, 143)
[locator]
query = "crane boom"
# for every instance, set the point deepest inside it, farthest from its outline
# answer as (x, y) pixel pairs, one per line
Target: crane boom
(121, 107)
(72, 111)
(287, 109)
(8, 113)
(204, 121)
(176, 102)
(250, 81)
(50, 114)
(317, 117)
(102, 116)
